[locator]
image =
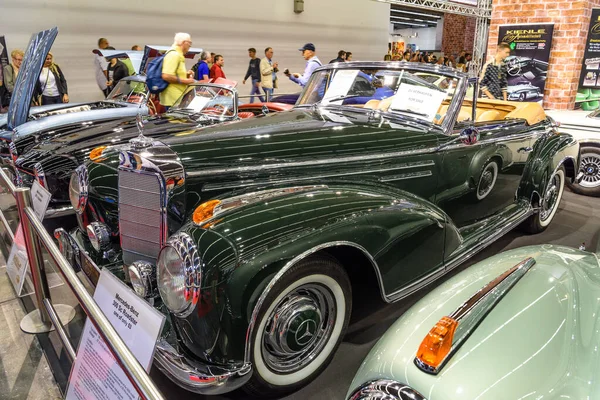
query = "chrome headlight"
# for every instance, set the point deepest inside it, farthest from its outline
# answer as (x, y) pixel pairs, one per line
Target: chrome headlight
(40, 176)
(385, 389)
(179, 274)
(78, 189)
(12, 148)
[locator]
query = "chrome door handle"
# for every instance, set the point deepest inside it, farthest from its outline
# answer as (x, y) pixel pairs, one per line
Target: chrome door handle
(525, 150)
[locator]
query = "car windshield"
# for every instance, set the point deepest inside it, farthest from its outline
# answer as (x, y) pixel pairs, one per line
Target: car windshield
(423, 95)
(211, 101)
(128, 91)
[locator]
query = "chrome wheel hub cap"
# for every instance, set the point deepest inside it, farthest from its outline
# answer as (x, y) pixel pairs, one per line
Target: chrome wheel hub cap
(298, 328)
(550, 198)
(486, 181)
(590, 165)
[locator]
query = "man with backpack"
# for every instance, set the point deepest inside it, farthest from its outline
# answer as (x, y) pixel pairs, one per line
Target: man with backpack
(312, 63)
(174, 71)
(202, 71)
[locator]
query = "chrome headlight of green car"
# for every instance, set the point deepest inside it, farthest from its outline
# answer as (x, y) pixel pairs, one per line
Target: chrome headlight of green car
(78, 189)
(179, 275)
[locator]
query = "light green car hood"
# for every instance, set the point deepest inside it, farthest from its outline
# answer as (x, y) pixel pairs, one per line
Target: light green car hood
(541, 341)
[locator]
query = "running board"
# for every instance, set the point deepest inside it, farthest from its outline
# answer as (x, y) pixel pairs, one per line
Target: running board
(462, 254)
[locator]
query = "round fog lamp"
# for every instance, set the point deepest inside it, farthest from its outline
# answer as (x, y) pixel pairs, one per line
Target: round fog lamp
(141, 275)
(99, 236)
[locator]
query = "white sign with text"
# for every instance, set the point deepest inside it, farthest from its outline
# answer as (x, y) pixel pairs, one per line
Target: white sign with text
(423, 101)
(40, 198)
(96, 374)
(340, 85)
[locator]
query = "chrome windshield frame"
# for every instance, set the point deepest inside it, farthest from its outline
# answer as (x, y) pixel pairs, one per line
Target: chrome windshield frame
(455, 103)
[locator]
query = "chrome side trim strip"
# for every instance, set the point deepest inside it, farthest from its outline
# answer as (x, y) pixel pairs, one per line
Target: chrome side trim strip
(286, 267)
(258, 182)
(409, 175)
(473, 311)
(311, 163)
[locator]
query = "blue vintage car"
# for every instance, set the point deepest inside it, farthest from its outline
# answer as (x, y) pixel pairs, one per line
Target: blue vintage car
(25, 126)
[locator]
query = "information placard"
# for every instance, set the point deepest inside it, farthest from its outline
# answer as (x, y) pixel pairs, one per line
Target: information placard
(96, 374)
(40, 198)
(424, 102)
(340, 85)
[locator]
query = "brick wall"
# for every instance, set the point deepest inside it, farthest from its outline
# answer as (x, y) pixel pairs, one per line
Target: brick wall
(459, 33)
(571, 22)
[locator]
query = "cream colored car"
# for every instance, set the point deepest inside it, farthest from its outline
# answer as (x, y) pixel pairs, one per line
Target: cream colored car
(585, 127)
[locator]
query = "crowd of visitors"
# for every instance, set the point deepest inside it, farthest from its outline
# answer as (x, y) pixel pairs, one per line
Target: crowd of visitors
(261, 72)
(462, 62)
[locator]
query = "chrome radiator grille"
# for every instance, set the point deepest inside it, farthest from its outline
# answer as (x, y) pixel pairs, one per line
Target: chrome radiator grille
(140, 216)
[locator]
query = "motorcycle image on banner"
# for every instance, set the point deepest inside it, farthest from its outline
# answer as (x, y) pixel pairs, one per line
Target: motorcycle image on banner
(527, 65)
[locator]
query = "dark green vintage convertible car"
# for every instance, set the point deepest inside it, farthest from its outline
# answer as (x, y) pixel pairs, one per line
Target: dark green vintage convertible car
(251, 236)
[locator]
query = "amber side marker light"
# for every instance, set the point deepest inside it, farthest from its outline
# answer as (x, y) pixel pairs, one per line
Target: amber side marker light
(438, 342)
(205, 211)
(444, 339)
(96, 154)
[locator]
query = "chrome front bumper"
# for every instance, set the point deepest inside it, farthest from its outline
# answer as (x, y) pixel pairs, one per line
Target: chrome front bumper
(187, 373)
(197, 377)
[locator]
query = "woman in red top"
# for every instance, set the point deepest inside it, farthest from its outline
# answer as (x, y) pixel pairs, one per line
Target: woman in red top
(216, 70)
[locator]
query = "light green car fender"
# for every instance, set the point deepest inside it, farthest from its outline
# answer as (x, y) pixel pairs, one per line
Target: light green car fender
(541, 340)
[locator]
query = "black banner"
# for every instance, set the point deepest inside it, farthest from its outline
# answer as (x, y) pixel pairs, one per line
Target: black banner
(3, 52)
(4, 95)
(588, 95)
(527, 64)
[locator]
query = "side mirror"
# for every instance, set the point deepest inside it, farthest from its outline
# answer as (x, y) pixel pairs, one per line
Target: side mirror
(265, 110)
(469, 136)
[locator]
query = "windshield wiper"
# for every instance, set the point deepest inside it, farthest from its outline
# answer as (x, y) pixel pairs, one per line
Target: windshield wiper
(346, 96)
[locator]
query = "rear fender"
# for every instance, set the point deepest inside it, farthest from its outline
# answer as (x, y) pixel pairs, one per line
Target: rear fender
(550, 153)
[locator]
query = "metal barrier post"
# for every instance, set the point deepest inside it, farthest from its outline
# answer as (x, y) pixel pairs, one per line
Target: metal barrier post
(37, 321)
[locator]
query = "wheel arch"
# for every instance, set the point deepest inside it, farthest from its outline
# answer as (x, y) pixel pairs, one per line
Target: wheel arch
(334, 249)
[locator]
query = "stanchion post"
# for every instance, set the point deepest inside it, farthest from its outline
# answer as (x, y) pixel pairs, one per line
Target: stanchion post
(36, 264)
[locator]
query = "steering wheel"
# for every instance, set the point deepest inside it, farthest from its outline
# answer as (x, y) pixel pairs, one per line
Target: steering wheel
(513, 68)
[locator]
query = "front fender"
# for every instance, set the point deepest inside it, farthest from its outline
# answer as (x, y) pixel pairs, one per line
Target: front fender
(549, 153)
(243, 248)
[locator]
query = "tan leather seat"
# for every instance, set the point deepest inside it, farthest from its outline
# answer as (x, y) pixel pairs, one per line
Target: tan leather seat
(372, 104)
(489, 115)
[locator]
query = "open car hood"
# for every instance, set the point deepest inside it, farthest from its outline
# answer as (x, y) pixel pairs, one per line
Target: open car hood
(136, 57)
(33, 61)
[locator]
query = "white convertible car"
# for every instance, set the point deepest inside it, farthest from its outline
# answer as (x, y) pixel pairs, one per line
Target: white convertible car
(585, 127)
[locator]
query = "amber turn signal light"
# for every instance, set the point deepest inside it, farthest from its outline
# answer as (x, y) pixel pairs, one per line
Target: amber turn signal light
(205, 211)
(438, 342)
(97, 153)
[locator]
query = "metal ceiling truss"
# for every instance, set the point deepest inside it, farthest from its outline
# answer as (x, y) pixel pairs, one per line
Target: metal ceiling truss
(481, 11)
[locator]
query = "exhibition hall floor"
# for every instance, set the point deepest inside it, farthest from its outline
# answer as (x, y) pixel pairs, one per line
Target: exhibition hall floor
(25, 374)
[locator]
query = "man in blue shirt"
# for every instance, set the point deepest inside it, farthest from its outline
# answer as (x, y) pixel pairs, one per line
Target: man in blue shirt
(312, 63)
(202, 72)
